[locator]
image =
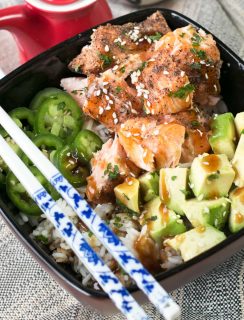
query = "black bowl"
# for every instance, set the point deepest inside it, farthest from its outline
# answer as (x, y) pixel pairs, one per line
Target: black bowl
(19, 87)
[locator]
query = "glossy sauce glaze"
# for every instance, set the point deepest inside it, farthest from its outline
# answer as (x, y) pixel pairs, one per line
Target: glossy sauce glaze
(163, 188)
(211, 163)
(148, 253)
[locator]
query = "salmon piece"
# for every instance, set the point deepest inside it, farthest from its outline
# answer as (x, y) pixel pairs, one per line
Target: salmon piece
(113, 43)
(195, 53)
(197, 127)
(111, 101)
(110, 167)
(150, 146)
(165, 88)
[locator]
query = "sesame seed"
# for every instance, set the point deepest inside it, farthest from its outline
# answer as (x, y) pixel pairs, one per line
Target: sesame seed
(107, 98)
(165, 72)
(148, 103)
(187, 98)
(206, 163)
(105, 83)
(182, 73)
(115, 67)
(134, 111)
(98, 92)
(105, 91)
(156, 132)
(116, 121)
(206, 75)
(215, 87)
(200, 132)
(110, 102)
(114, 115)
(106, 48)
(101, 110)
(108, 108)
(123, 43)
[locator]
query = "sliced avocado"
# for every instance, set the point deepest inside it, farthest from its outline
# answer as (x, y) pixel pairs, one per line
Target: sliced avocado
(207, 212)
(239, 122)
(149, 185)
(194, 242)
(161, 221)
(211, 176)
(173, 187)
(237, 163)
(128, 194)
(236, 220)
(222, 139)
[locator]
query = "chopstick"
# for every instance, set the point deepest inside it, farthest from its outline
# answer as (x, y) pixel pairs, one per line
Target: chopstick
(104, 276)
(145, 281)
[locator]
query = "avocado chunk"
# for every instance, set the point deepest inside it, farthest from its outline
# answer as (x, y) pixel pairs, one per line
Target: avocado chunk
(207, 212)
(239, 122)
(173, 187)
(223, 136)
(161, 221)
(211, 176)
(127, 193)
(196, 241)
(236, 219)
(149, 185)
(238, 164)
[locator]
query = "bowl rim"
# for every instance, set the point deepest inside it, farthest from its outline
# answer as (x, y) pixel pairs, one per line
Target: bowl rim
(34, 248)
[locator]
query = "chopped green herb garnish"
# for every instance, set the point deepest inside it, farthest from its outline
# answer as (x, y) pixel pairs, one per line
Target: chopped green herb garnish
(156, 36)
(196, 65)
(213, 176)
(242, 131)
(90, 234)
(187, 193)
(182, 34)
(118, 44)
(152, 218)
(195, 124)
(126, 196)
(173, 178)
(42, 239)
(122, 70)
(117, 222)
(201, 54)
(112, 172)
(118, 89)
(196, 39)
(143, 65)
(107, 60)
(183, 91)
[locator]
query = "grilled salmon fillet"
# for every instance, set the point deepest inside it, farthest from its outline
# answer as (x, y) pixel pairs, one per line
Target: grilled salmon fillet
(152, 146)
(110, 166)
(195, 53)
(111, 44)
(197, 126)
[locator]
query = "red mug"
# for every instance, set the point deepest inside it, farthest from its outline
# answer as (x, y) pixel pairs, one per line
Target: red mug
(39, 24)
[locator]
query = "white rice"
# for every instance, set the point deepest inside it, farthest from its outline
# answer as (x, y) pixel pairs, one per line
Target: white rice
(126, 227)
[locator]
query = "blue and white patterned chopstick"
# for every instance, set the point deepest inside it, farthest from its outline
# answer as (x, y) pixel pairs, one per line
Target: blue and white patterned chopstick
(145, 281)
(108, 281)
